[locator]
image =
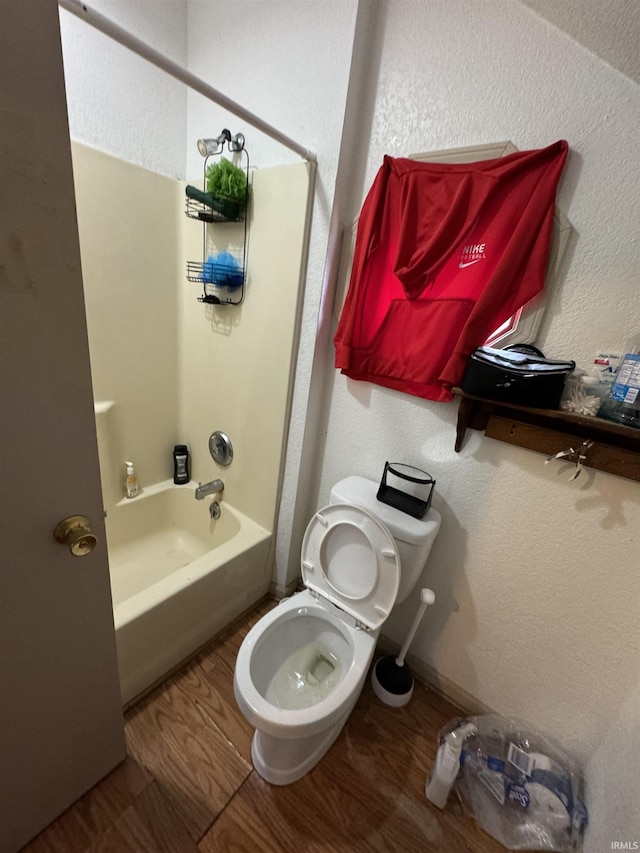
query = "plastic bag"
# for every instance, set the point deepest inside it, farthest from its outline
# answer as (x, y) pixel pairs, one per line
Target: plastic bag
(521, 787)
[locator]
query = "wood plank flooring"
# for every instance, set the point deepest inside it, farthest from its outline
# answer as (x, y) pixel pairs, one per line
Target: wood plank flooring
(188, 785)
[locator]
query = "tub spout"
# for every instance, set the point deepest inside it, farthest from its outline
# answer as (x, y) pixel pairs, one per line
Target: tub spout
(212, 488)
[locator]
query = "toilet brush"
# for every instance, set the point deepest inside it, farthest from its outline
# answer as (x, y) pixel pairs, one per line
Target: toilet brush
(391, 680)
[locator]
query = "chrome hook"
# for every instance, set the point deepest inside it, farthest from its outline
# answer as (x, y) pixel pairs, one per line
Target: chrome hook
(570, 454)
(236, 143)
(560, 455)
(582, 458)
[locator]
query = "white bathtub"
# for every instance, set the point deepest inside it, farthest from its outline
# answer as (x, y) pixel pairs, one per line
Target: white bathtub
(178, 577)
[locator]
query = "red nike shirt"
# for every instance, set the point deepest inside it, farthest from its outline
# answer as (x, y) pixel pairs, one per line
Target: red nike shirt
(444, 254)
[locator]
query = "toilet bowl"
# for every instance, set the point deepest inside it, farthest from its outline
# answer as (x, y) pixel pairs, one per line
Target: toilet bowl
(289, 741)
(301, 668)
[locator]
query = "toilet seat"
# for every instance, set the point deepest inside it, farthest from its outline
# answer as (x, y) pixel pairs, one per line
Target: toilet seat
(350, 558)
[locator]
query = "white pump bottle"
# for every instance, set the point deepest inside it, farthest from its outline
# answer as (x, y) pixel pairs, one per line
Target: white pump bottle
(132, 481)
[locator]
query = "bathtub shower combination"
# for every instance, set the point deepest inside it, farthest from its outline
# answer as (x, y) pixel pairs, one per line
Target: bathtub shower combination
(178, 577)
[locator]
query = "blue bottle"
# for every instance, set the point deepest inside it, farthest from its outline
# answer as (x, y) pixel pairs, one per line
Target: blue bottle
(622, 404)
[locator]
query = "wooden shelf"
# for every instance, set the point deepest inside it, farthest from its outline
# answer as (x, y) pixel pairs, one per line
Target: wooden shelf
(615, 449)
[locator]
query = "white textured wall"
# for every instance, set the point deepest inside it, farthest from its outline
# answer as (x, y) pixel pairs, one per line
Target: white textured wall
(537, 585)
(611, 29)
(119, 103)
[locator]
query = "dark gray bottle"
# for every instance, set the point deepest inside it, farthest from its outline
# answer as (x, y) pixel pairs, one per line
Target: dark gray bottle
(181, 473)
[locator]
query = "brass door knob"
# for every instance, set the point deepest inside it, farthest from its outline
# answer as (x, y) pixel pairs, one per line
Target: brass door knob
(75, 533)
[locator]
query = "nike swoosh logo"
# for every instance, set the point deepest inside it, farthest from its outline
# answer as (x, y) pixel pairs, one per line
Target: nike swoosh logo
(462, 265)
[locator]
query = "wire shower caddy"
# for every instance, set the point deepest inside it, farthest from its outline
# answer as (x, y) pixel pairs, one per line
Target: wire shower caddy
(223, 278)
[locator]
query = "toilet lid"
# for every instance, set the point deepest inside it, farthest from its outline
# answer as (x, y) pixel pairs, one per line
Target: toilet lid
(350, 558)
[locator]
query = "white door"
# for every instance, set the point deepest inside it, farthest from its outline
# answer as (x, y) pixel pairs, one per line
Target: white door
(61, 726)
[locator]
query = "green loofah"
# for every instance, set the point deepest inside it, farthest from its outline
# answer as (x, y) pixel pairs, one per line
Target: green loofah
(226, 181)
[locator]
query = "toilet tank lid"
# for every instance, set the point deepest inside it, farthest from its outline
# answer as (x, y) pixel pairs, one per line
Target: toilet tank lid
(362, 492)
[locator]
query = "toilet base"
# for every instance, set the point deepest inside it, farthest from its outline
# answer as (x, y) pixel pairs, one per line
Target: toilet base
(281, 762)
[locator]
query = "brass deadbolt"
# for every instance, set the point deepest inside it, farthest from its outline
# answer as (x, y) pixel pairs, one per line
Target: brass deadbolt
(75, 533)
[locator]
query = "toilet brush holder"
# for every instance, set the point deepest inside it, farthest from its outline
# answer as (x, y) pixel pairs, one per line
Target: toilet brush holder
(391, 680)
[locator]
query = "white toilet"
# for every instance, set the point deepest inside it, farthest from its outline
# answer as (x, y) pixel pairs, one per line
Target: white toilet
(301, 668)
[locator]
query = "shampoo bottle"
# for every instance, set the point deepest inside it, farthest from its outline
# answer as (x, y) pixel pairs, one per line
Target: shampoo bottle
(181, 473)
(132, 481)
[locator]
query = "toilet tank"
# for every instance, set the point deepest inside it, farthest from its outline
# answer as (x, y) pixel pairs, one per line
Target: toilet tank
(414, 536)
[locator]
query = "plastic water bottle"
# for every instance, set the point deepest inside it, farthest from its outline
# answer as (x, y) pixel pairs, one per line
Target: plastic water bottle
(622, 404)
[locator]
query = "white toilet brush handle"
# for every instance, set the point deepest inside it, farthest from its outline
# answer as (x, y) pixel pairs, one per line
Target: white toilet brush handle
(427, 597)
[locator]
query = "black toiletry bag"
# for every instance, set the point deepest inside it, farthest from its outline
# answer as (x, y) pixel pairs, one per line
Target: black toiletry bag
(519, 374)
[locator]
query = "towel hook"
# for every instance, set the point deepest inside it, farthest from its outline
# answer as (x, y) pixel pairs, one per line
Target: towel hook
(578, 456)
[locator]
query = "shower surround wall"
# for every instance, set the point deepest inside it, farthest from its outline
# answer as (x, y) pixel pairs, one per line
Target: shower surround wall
(236, 363)
(167, 368)
(130, 248)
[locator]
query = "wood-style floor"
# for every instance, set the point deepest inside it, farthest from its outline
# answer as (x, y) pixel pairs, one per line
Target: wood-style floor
(188, 785)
